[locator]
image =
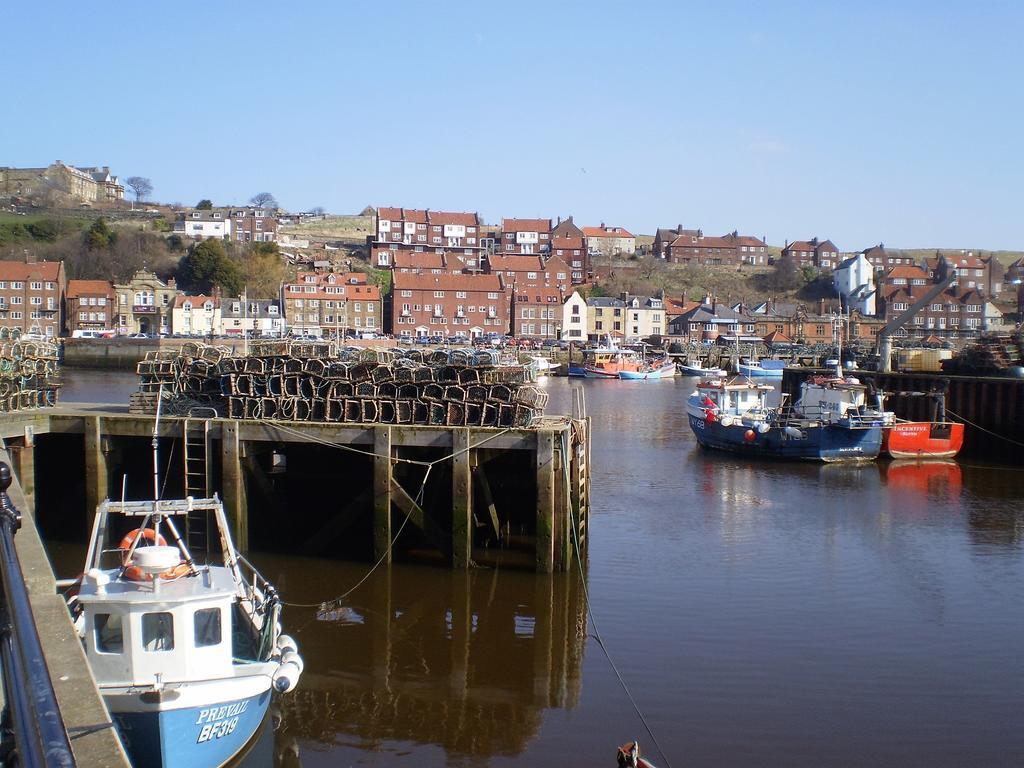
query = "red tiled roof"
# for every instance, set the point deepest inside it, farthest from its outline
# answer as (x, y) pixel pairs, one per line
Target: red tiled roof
(541, 294)
(515, 263)
(413, 281)
(419, 260)
(78, 288)
(197, 301)
(702, 242)
(605, 232)
(776, 337)
(19, 270)
(526, 225)
(454, 217)
(412, 215)
(905, 271)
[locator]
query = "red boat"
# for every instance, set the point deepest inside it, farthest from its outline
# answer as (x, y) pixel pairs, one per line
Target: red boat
(923, 439)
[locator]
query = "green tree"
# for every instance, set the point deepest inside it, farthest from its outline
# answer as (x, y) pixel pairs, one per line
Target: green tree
(207, 265)
(785, 277)
(99, 236)
(175, 243)
(204, 205)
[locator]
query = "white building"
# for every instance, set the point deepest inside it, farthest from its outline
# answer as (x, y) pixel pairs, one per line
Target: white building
(196, 316)
(204, 224)
(854, 279)
(574, 318)
(644, 317)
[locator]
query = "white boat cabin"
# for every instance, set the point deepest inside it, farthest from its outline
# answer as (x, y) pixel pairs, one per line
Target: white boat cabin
(832, 399)
(734, 399)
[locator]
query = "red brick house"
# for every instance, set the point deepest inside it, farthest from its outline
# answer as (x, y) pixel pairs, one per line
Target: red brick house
(253, 225)
(445, 233)
(663, 238)
(566, 228)
(812, 253)
(525, 236)
(32, 297)
(90, 305)
(573, 250)
(904, 276)
(537, 311)
(881, 259)
(729, 250)
(466, 305)
(972, 271)
(956, 312)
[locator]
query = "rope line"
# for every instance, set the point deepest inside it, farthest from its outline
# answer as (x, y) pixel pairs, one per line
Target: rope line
(983, 429)
(597, 631)
(418, 500)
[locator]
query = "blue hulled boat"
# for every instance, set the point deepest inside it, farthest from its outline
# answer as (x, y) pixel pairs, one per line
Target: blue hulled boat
(832, 422)
(186, 654)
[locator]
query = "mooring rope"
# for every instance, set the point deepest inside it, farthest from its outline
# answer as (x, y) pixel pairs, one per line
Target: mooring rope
(597, 632)
(326, 605)
(983, 429)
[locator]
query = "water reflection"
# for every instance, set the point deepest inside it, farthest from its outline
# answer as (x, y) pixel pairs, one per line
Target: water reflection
(464, 661)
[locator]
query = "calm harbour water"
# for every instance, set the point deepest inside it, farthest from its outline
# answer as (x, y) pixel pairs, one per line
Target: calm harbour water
(761, 614)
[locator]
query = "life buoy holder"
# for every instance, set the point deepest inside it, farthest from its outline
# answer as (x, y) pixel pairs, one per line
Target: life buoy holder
(134, 573)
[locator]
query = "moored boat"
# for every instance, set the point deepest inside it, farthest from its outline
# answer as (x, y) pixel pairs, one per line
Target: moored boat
(662, 369)
(830, 424)
(761, 369)
(186, 654)
(606, 362)
(924, 439)
(697, 369)
(542, 366)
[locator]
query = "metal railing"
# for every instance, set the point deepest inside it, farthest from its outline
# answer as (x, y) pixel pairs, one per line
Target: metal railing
(33, 730)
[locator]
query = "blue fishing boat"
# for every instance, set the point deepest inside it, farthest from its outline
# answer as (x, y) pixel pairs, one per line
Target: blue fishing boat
(761, 369)
(832, 421)
(186, 654)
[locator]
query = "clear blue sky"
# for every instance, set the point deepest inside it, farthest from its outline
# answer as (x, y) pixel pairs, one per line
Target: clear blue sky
(864, 122)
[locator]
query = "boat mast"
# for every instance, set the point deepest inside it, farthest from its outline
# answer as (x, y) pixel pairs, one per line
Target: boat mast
(156, 448)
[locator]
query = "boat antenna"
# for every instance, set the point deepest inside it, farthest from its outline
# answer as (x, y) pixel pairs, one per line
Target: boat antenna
(156, 453)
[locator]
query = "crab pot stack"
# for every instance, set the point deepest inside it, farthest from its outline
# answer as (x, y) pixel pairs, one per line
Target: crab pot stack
(28, 375)
(314, 382)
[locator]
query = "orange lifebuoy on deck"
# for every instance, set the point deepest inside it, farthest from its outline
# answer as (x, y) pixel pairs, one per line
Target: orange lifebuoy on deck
(147, 533)
(134, 573)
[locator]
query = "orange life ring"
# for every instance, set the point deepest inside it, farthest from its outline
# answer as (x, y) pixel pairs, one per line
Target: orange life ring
(147, 533)
(134, 573)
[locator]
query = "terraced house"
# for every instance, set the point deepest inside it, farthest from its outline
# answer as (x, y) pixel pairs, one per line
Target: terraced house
(448, 305)
(455, 235)
(812, 253)
(729, 250)
(332, 304)
(32, 297)
(526, 236)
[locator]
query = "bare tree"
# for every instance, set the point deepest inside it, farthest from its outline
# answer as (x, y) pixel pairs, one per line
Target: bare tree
(141, 186)
(263, 200)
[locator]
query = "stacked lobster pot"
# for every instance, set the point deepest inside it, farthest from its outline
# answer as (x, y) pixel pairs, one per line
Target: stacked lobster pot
(314, 382)
(28, 375)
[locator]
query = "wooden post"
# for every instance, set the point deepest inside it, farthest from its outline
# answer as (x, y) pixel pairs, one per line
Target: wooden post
(563, 508)
(232, 483)
(462, 634)
(382, 493)
(96, 478)
(26, 455)
(462, 513)
(545, 500)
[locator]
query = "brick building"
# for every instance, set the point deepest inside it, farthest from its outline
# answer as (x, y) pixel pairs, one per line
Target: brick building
(663, 238)
(253, 225)
(530, 271)
(32, 297)
(525, 236)
(882, 259)
(456, 235)
(609, 241)
(971, 271)
(956, 312)
(537, 311)
(466, 305)
(728, 250)
(573, 250)
(89, 305)
(62, 184)
(566, 228)
(331, 304)
(820, 254)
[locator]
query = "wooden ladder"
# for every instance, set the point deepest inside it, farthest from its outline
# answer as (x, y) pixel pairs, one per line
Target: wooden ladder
(579, 465)
(197, 481)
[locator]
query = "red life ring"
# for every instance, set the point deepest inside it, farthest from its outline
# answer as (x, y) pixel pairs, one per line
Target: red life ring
(147, 533)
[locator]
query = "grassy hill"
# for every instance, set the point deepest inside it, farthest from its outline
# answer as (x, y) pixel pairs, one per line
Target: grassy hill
(349, 229)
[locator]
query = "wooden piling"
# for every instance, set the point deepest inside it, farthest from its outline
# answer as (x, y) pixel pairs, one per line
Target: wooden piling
(462, 496)
(96, 470)
(382, 493)
(545, 559)
(233, 484)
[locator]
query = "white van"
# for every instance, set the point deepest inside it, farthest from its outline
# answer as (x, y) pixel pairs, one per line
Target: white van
(80, 334)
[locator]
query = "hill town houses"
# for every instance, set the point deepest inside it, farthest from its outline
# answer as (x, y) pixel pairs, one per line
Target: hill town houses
(453, 276)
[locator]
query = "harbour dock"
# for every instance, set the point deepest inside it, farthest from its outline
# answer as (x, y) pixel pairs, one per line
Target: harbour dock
(464, 494)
